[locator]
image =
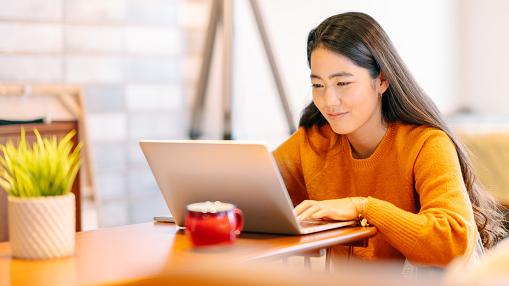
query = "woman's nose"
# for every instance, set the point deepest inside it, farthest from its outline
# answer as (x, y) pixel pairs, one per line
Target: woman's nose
(332, 97)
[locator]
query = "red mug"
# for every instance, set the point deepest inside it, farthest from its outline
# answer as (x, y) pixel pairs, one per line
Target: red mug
(215, 223)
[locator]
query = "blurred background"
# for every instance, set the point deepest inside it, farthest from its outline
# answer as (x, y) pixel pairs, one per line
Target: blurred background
(138, 64)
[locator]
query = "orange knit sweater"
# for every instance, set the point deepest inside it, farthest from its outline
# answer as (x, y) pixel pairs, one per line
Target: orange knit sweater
(417, 198)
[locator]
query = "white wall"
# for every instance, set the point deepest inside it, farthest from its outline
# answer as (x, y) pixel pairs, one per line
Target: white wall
(485, 46)
(127, 56)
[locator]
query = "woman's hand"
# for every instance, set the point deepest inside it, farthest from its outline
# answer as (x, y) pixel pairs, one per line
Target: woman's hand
(339, 209)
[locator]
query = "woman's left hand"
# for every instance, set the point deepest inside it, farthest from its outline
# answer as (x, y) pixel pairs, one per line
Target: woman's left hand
(339, 209)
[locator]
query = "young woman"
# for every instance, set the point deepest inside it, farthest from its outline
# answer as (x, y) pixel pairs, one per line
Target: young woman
(373, 146)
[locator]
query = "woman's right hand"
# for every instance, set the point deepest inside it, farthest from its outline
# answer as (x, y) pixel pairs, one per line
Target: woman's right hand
(338, 209)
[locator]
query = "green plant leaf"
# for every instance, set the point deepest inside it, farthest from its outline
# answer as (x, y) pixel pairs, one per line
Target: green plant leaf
(5, 185)
(47, 168)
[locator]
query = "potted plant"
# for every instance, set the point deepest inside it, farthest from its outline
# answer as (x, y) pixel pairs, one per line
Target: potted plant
(41, 207)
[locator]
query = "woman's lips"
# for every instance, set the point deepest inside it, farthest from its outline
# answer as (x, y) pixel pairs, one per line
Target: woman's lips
(336, 115)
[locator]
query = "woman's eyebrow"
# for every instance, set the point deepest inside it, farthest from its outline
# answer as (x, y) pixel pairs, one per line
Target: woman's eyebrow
(339, 74)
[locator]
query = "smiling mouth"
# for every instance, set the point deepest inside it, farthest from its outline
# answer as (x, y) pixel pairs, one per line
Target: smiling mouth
(336, 115)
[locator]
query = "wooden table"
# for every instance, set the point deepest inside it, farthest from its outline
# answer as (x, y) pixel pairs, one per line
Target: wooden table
(134, 252)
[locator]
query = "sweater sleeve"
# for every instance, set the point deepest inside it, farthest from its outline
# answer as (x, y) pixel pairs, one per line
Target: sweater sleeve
(288, 159)
(444, 228)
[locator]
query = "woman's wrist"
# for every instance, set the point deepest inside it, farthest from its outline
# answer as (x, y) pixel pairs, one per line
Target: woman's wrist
(362, 219)
(356, 206)
(360, 207)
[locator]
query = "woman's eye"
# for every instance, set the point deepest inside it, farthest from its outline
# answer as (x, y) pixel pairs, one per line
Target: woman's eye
(316, 85)
(342, 83)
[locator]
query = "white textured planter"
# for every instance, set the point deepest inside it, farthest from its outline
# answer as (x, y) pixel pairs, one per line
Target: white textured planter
(42, 227)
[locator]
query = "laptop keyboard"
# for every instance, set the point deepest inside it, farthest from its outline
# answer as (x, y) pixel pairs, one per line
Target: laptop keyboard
(314, 222)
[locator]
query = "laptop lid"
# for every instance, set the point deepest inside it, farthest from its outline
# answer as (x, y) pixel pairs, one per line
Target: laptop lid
(241, 173)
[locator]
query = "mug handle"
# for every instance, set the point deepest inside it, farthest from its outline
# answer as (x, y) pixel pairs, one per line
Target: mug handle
(239, 218)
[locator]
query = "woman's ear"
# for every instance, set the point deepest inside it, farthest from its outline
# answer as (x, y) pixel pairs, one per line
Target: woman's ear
(384, 83)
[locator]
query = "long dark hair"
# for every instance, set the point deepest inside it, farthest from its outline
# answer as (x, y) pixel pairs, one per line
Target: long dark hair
(361, 39)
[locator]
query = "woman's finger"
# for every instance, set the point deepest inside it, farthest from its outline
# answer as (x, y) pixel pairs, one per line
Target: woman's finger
(309, 212)
(322, 214)
(303, 207)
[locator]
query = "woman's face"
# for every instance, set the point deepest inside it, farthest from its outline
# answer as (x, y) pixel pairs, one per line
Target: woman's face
(345, 93)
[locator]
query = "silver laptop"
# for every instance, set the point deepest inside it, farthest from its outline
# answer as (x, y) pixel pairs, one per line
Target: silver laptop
(241, 173)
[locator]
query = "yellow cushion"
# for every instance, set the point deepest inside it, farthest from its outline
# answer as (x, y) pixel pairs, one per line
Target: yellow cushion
(490, 156)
